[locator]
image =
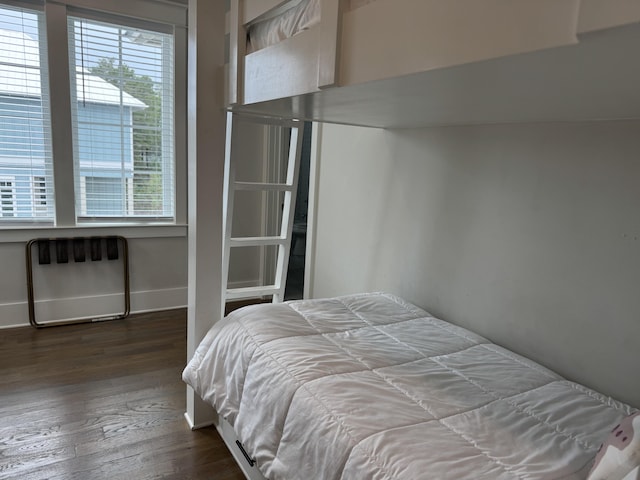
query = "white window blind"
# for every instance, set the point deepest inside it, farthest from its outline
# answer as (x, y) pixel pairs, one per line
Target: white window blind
(122, 110)
(25, 135)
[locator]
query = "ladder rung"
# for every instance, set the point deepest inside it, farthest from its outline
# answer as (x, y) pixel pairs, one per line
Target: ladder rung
(256, 241)
(251, 292)
(256, 186)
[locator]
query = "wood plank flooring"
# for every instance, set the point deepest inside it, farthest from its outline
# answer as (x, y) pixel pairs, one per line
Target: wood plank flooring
(102, 401)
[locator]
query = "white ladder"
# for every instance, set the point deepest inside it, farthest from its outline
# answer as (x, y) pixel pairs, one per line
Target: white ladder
(282, 241)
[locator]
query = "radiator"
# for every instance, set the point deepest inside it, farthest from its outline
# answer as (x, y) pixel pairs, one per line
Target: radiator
(69, 254)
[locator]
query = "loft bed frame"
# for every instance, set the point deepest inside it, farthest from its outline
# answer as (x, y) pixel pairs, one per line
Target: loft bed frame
(412, 63)
(445, 63)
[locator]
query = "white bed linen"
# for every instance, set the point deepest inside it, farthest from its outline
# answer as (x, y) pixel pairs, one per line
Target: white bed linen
(371, 387)
(286, 21)
(301, 15)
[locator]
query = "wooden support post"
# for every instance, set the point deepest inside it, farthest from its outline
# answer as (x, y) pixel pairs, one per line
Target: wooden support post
(237, 51)
(206, 140)
(329, 43)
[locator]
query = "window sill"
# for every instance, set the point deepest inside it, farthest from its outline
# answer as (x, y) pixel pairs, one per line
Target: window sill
(25, 233)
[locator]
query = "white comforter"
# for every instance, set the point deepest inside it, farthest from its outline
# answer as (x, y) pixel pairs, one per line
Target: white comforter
(298, 16)
(287, 21)
(371, 387)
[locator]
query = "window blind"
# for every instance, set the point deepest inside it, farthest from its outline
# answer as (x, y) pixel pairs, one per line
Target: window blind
(26, 169)
(122, 110)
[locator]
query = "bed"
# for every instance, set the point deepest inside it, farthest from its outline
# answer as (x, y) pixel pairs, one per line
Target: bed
(369, 386)
(399, 63)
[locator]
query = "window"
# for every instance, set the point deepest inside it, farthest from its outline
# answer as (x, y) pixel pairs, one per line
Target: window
(40, 199)
(121, 111)
(25, 145)
(7, 198)
(103, 196)
(122, 120)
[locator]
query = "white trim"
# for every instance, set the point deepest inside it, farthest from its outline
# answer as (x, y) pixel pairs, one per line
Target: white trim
(312, 208)
(180, 126)
(76, 307)
(197, 408)
(62, 83)
(142, 12)
(149, 10)
(273, 166)
(24, 234)
(32, 4)
(154, 300)
(206, 142)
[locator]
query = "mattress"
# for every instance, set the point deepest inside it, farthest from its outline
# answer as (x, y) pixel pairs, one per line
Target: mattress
(286, 21)
(298, 15)
(370, 386)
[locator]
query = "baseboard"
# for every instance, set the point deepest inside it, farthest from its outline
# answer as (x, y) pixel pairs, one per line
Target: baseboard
(193, 426)
(17, 314)
(153, 300)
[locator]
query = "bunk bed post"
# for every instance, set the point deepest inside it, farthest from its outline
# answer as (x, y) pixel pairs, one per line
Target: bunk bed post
(237, 51)
(206, 141)
(329, 42)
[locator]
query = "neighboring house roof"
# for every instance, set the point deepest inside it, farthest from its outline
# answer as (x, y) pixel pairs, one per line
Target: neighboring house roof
(20, 74)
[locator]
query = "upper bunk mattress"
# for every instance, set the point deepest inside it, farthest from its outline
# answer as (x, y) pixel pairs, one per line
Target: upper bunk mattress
(299, 15)
(371, 387)
(294, 17)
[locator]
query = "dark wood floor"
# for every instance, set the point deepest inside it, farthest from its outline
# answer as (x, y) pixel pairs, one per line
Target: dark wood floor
(102, 401)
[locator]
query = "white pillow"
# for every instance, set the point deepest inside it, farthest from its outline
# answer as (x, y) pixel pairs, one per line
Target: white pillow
(619, 456)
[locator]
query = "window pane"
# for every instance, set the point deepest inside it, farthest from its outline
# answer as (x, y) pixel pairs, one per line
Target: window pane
(102, 194)
(123, 120)
(25, 138)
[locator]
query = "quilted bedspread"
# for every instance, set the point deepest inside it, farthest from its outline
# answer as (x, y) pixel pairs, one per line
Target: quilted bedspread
(371, 387)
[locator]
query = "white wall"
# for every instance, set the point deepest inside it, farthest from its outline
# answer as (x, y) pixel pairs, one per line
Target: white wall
(158, 273)
(527, 234)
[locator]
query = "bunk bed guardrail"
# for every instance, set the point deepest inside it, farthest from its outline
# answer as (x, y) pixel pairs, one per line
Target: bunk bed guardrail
(320, 46)
(398, 63)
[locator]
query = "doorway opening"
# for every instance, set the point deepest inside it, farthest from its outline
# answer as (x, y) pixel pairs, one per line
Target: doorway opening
(294, 289)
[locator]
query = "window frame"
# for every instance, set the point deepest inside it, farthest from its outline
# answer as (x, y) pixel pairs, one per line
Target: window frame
(23, 182)
(136, 13)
